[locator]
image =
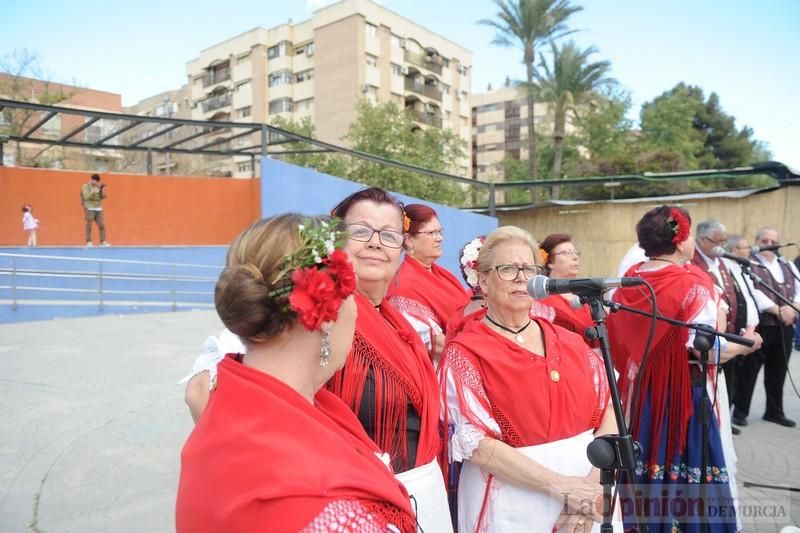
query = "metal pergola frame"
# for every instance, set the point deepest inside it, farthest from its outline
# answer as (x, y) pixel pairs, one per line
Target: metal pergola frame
(271, 136)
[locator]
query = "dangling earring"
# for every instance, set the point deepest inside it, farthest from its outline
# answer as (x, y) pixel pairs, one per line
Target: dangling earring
(325, 351)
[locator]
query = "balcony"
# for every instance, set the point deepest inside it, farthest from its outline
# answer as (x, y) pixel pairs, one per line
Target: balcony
(216, 102)
(423, 89)
(423, 61)
(431, 119)
(216, 76)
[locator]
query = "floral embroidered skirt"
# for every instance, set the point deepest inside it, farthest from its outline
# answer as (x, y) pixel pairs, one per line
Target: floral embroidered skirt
(670, 496)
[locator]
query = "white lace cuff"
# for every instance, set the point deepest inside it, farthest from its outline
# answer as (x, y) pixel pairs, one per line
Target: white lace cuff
(464, 441)
(214, 351)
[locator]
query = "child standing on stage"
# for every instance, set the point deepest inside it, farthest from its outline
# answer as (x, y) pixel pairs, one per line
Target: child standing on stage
(29, 223)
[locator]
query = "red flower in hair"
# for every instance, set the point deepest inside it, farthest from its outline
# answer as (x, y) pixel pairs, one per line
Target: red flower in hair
(680, 225)
(314, 297)
(340, 267)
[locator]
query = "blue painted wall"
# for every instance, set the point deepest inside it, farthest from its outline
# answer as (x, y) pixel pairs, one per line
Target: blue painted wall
(126, 287)
(288, 187)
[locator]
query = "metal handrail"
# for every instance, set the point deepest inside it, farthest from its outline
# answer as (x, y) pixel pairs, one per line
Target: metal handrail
(103, 276)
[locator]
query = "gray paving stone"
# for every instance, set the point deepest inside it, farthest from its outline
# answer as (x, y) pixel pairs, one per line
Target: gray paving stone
(93, 425)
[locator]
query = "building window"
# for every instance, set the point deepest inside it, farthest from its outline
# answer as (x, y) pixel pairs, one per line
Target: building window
(281, 105)
(282, 77)
(397, 41)
(307, 49)
(242, 59)
(372, 61)
(445, 63)
(445, 88)
(397, 70)
(242, 86)
(245, 167)
(280, 49)
(304, 75)
(372, 30)
(244, 112)
(303, 105)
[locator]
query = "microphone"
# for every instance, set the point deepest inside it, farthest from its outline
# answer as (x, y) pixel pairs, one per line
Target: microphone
(769, 247)
(719, 251)
(541, 286)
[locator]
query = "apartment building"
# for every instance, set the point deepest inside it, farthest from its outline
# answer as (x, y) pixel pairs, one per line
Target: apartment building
(169, 104)
(321, 67)
(500, 130)
(20, 122)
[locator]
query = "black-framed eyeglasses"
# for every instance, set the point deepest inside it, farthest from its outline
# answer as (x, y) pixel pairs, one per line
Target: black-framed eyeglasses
(387, 237)
(721, 242)
(510, 272)
(432, 233)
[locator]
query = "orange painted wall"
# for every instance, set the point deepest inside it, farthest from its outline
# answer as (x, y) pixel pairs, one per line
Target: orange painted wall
(139, 210)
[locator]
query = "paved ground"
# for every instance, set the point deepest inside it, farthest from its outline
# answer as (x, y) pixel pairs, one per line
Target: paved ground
(92, 427)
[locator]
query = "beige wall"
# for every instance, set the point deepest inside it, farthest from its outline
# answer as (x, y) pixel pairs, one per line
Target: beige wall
(340, 65)
(605, 231)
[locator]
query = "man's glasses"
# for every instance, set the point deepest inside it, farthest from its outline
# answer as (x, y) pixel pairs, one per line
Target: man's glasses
(720, 242)
(510, 272)
(387, 237)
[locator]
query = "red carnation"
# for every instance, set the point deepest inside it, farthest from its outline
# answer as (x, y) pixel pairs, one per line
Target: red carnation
(681, 228)
(314, 297)
(340, 267)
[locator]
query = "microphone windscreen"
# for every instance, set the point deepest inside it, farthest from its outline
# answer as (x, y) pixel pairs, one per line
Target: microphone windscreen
(537, 287)
(718, 251)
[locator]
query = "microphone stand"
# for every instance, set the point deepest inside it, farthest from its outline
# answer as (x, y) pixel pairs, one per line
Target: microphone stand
(610, 453)
(761, 284)
(703, 342)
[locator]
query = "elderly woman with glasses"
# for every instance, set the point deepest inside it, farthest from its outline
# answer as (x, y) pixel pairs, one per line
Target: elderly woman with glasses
(525, 397)
(427, 294)
(562, 260)
(388, 379)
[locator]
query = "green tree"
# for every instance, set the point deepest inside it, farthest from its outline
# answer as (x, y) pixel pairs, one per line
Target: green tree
(668, 125)
(569, 83)
(329, 163)
(21, 79)
(526, 24)
(386, 130)
(724, 146)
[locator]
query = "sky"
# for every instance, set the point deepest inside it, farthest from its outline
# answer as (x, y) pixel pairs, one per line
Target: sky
(746, 51)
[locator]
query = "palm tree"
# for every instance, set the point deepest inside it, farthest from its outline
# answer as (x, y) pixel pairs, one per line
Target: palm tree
(569, 82)
(526, 24)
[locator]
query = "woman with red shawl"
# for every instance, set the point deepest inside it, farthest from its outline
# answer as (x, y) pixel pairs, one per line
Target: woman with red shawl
(666, 416)
(272, 451)
(388, 379)
(525, 398)
(562, 260)
(425, 293)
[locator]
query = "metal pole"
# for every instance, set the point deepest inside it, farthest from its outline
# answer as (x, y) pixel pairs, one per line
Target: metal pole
(100, 284)
(492, 203)
(1, 153)
(253, 166)
(264, 140)
(14, 305)
(174, 291)
(149, 161)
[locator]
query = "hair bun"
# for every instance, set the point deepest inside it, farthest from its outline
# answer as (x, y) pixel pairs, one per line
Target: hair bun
(245, 305)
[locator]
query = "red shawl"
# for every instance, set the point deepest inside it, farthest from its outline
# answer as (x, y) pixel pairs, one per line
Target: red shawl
(403, 372)
(534, 399)
(575, 320)
(681, 293)
(432, 294)
(263, 458)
